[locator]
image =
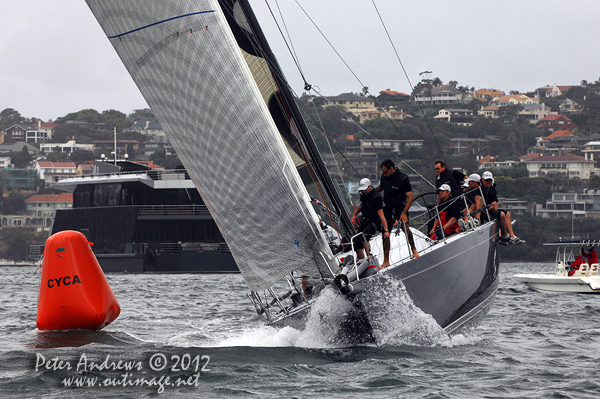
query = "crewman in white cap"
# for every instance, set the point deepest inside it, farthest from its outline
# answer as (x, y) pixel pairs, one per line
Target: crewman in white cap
(490, 196)
(373, 220)
(449, 212)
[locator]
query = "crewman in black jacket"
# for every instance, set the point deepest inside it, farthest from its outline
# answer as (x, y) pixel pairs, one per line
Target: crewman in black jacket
(372, 221)
(397, 198)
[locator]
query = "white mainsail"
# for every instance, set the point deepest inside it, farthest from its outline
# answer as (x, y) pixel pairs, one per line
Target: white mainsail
(184, 58)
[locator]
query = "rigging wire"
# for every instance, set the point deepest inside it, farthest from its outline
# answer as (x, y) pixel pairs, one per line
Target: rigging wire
(337, 166)
(308, 87)
(367, 91)
(408, 79)
(290, 49)
(297, 59)
(369, 134)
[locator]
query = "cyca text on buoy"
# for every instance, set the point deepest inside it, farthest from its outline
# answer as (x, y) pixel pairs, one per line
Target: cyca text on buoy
(67, 280)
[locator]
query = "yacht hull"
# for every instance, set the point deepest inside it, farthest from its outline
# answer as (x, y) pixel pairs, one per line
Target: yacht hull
(456, 282)
(453, 281)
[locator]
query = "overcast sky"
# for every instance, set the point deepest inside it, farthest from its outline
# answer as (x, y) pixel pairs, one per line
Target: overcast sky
(56, 59)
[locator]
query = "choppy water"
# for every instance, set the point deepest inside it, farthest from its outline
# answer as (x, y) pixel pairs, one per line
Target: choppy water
(531, 345)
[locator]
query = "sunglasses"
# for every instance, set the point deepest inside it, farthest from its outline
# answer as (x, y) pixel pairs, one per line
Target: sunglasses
(438, 168)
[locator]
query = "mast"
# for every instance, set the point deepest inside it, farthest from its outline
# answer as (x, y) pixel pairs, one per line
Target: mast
(115, 132)
(315, 160)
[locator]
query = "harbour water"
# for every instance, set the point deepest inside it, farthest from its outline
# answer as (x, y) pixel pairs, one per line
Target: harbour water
(198, 336)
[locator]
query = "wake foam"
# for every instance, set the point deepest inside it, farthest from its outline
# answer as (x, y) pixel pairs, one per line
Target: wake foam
(394, 318)
(324, 322)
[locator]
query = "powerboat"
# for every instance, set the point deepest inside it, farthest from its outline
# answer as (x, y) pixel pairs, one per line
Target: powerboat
(584, 280)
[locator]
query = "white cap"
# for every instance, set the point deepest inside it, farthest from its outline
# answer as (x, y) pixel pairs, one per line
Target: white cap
(487, 175)
(466, 183)
(364, 184)
(444, 187)
(475, 177)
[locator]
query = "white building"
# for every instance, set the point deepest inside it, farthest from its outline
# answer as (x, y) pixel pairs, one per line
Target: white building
(54, 171)
(533, 113)
(65, 148)
(44, 205)
(4, 162)
(42, 133)
(391, 145)
(572, 205)
(441, 94)
(592, 148)
(571, 166)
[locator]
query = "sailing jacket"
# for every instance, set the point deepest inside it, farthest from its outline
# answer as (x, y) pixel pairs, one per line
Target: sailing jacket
(394, 189)
(369, 205)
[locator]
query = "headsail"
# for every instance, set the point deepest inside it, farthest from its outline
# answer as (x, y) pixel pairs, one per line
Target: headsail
(186, 62)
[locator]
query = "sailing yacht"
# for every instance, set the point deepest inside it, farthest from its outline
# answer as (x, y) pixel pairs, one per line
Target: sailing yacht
(209, 75)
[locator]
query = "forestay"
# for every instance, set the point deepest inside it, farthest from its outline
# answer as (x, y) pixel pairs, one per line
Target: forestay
(184, 58)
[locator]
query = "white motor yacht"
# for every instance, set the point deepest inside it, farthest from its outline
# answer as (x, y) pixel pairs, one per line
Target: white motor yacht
(584, 280)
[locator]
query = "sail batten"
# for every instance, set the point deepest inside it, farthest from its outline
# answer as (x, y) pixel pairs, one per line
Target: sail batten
(159, 22)
(201, 89)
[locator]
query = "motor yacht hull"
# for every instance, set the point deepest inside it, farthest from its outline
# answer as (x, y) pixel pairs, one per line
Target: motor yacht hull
(550, 283)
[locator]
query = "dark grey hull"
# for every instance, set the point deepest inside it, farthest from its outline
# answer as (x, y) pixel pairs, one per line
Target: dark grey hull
(455, 282)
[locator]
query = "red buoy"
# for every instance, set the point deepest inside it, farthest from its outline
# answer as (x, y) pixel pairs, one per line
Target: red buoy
(74, 292)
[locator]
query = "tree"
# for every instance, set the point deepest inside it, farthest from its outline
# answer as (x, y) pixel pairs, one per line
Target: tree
(72, 131)
(132, 135)
(19, 159)
(510, 113)
(57, 156)
(13, 242)
(14, 204)
(90, 116)
(575, 92)
(142, 114)
(80, 156)
(112, 117)
(130, 151)
(9, 117)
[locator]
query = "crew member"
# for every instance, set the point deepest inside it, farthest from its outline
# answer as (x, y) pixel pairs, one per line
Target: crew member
(490, 196)
(397, 198)
(449, 212)
(373, 220)
(333, 238)
(453, 178)
(586, 257)
(473, 194)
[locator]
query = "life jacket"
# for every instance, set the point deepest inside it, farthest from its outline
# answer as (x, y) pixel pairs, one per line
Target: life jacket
(444, 219)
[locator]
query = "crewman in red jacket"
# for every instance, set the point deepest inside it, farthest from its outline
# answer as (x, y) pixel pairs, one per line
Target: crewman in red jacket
(586, 257)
